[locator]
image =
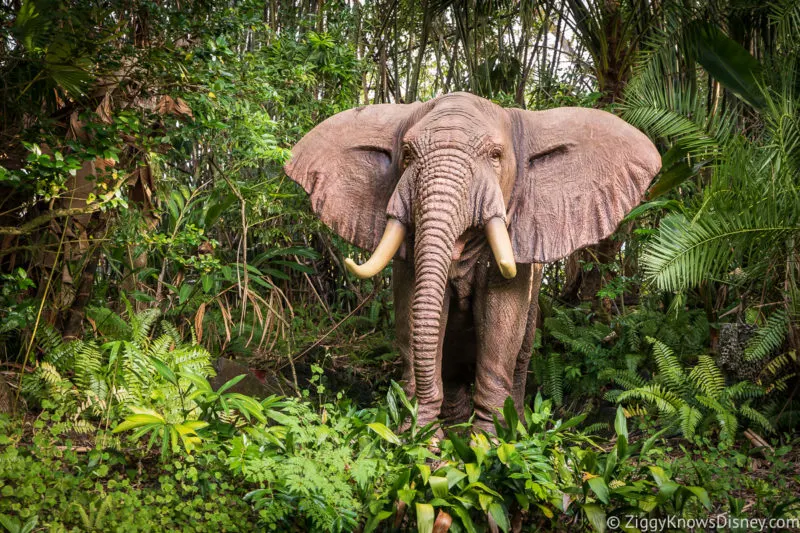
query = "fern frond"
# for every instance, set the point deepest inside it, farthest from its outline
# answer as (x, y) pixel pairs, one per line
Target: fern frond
(768, 338)
(742, 391)
(669, 368)
(708, 377)
(756, 417)
(690, 418)
(554, 386)
(666, 401)
(728, 426)
(624, 378)
(780, 384)
(777, 364)
(597, 427)
(142, 324)
(109, 323)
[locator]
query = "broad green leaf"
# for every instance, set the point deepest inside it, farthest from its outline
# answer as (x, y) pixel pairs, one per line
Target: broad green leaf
(424, 472)
(439, 486)
(384, 432)
(473, 472)
(658, 474)
(596, 516)
(572, 422)
(466, 520)
(230, 383)
(500, 515)
(375, 520)
(727, 61)
(461, 448)
(164, 371)
(668, 180)
(505, 452)
(425, 518)
(621, 423)
(702, 495)
(599, 487)
(511, 418)
(135, 421)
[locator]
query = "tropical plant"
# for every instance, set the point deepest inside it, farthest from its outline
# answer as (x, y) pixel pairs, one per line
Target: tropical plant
(93, 381)
(690, 399)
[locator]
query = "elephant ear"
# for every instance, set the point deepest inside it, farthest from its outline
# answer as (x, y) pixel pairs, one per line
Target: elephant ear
(579, 171)
(350, 164)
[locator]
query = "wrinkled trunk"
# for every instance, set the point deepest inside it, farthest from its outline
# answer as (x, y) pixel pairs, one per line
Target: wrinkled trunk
(439, 222)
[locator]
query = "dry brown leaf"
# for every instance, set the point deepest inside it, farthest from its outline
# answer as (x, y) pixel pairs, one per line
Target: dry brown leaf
(183, 108)
(104, 109)
(165, 105)
(198, 322)
(443, 522)
(169, 106)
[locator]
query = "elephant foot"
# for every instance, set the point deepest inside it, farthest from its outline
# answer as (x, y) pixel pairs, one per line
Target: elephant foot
(484, 425)
(456, 412)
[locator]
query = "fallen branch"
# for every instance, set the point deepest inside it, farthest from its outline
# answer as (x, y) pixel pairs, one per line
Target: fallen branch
(758, 441)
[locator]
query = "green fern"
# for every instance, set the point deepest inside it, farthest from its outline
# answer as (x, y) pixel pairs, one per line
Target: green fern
(691, 399)
(768, 338)
(87, 380)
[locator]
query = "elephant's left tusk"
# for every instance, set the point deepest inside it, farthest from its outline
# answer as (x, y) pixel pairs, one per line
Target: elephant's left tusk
(497, 235)
(393, 237)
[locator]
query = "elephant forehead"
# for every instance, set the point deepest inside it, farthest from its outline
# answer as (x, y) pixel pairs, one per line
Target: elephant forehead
(458, 119)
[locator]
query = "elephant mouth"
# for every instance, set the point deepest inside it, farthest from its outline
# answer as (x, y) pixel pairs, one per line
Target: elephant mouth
(461, 242)
(395, 233)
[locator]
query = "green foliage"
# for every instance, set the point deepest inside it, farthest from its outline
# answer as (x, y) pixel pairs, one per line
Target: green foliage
(575, 350)
(102, 490)
(90, 383)
(691, 399)
(768, 338)
(720, 235)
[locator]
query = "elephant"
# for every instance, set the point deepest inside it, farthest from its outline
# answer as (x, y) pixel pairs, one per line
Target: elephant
(469, 199)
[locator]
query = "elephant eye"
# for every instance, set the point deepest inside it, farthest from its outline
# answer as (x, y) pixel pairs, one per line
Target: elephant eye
(407, 157)
(496, 154)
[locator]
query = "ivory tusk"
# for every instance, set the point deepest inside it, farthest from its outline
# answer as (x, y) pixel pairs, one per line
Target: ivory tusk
(393, 237)
(497, 235)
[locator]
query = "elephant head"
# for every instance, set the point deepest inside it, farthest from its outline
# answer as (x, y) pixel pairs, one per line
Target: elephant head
(412, 180)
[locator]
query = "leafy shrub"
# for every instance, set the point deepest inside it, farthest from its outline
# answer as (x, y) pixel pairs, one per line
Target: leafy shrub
(693, 400)
(45, 482)
(574, 349)
(95, 381)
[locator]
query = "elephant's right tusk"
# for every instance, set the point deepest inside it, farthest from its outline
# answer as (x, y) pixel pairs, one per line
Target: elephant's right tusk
(497, 235)
(393, 237)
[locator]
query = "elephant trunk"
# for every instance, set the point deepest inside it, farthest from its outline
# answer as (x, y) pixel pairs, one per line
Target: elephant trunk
(440, 220)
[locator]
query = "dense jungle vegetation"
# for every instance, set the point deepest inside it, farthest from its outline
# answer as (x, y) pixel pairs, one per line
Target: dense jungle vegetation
(182, 349)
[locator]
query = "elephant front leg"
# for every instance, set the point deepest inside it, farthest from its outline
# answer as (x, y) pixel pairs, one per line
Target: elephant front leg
(524, 356)
(403, 294)
(501, 316)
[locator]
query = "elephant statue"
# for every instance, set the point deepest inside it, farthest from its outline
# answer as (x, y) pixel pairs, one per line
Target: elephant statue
(469, 199)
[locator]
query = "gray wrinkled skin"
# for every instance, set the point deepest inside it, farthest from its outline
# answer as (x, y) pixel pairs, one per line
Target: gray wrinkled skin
(561, 179)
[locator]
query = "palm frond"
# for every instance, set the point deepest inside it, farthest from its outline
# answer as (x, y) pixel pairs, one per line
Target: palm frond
(686, 252)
